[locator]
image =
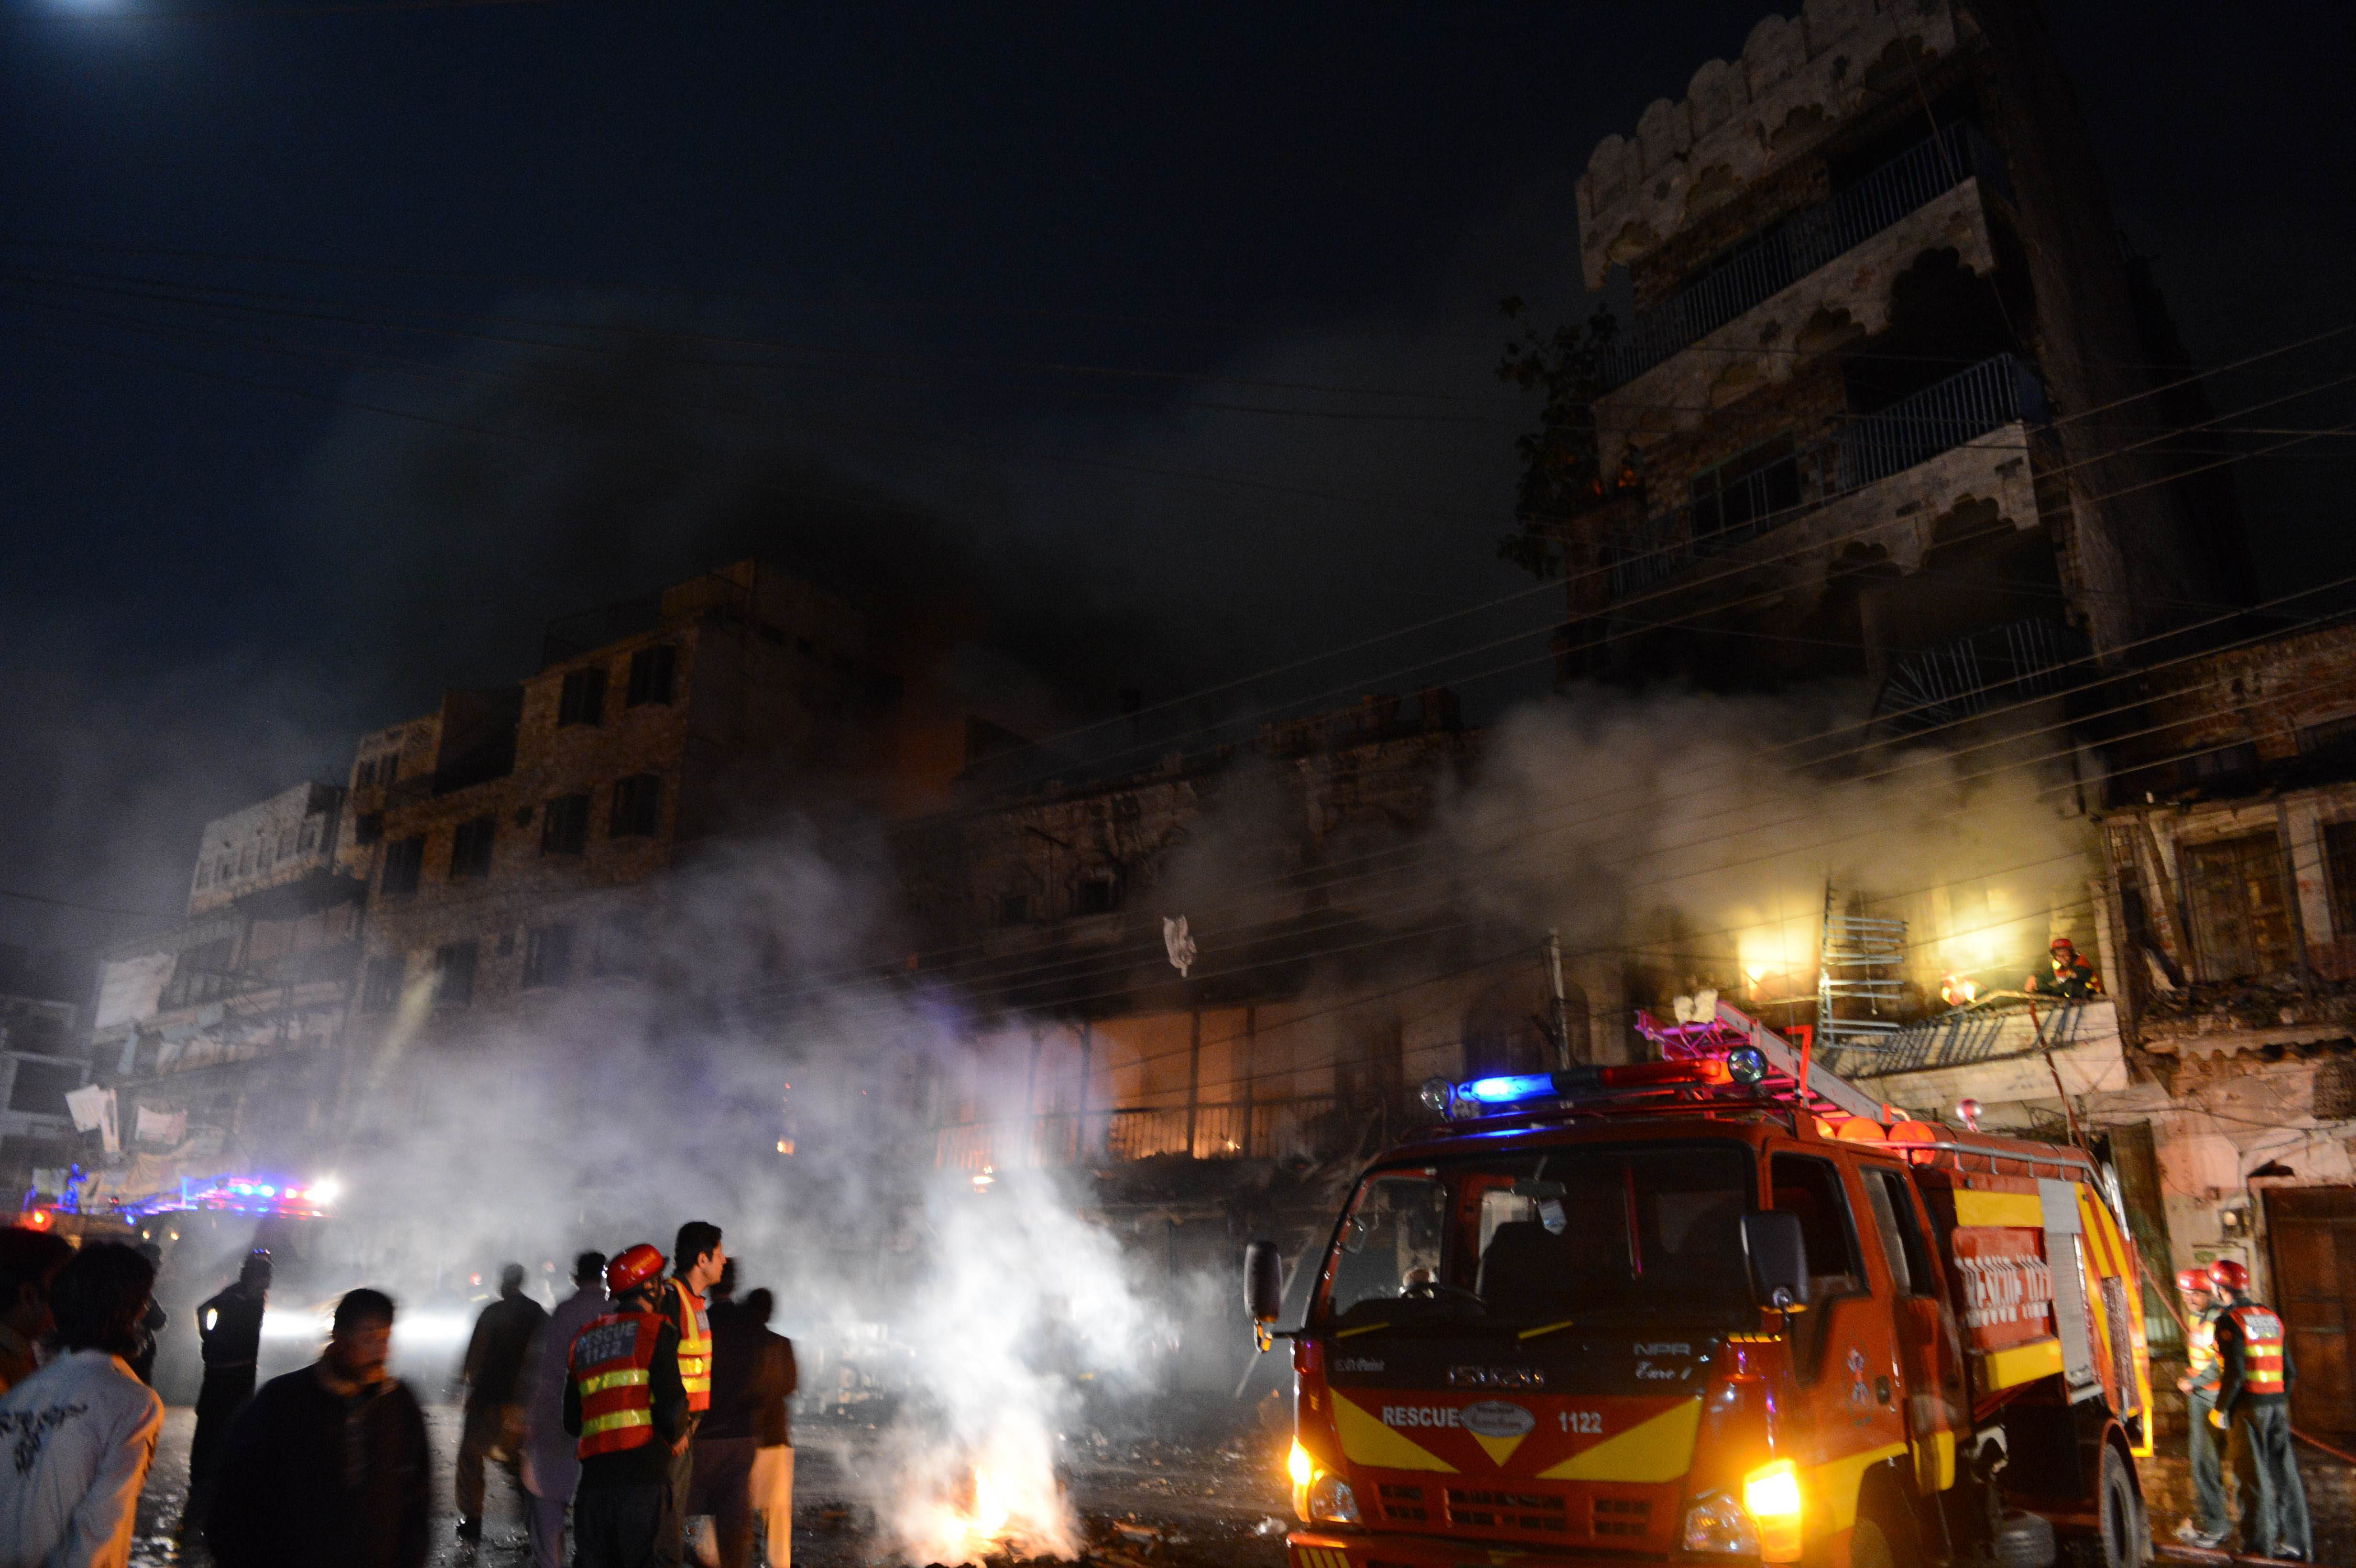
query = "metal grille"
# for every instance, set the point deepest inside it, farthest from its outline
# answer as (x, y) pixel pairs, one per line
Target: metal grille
(1857, 984)
(1509, 1510)
(1944, 414)
(2012, 662)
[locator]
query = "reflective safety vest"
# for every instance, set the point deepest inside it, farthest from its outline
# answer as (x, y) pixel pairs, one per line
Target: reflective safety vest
(2201, 1357)
(694, 1348)
(2262, 1350)
(612, 1358)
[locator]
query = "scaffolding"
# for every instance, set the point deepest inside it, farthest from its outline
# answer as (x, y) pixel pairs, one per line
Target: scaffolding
(1859, 986)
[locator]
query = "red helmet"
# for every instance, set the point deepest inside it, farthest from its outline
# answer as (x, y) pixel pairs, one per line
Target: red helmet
(632, 1267)
(2228, 1274)
(2062, 943)
(2191, 1280)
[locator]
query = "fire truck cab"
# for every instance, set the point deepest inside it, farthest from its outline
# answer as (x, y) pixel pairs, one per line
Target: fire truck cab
(1685, 1311)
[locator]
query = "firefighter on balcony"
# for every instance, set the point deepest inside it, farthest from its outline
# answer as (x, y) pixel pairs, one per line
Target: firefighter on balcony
(2073, 978)
(2253, 1394)
(2203, 1373)
(624, 1401)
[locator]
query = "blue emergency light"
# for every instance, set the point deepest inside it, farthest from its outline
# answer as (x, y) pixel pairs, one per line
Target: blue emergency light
(1742, 1067)
(1508, 1090)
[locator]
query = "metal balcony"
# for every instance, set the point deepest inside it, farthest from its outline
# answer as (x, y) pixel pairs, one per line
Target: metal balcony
(1790, 250)
(1939, 418)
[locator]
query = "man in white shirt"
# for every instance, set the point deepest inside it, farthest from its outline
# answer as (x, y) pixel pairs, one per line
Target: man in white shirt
(76, 1437)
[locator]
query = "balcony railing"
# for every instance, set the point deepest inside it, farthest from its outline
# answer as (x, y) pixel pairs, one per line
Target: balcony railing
(1264, 1129)
(1799, 245)
(1938, 419)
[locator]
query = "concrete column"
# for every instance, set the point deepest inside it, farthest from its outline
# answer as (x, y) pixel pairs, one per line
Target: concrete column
(2302, 823)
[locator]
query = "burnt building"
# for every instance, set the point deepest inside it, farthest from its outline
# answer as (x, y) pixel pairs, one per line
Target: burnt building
(1886, 403)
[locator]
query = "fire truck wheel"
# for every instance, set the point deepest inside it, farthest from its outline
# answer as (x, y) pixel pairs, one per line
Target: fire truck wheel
(2126, 1535)
(1884, 1535)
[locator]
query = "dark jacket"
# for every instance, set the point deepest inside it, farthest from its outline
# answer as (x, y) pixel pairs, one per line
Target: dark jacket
(231, 1326)
(735, 1366)
(309, 1476)
(649, 1464)
(775, 1385)
(495, 1356)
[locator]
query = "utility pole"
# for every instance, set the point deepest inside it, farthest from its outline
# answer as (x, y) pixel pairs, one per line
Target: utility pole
(1561, 1009)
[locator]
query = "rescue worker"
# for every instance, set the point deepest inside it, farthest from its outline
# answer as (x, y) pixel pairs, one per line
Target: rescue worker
(230, 1328)
(696, 1260)
(494, 1379)
(2253, 1394)
(626, 1404)
(2202, 1372)
(2073, 978)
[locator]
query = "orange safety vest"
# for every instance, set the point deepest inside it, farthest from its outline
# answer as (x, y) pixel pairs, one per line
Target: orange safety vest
(2208, 1368)
(694, 1348)
(2262, 1350)
(612, 1360)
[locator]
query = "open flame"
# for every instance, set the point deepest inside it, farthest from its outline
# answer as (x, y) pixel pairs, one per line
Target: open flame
(1008, 1506)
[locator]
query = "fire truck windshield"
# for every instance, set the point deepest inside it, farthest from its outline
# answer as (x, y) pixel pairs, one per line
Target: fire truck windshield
(1599, 1232)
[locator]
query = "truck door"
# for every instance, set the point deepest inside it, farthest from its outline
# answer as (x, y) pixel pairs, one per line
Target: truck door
(1930, 1345)
(1844, 1344)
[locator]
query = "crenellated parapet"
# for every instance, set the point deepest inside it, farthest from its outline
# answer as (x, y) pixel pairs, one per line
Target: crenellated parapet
(1799, 77)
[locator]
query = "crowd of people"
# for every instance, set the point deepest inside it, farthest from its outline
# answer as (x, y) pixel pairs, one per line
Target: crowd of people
(651, 1395)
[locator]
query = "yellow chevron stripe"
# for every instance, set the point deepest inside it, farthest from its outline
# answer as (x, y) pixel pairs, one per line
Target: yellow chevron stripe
(1367, 1441)
(1659, 1449)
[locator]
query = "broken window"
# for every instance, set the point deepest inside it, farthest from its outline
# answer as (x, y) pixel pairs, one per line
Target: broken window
(2240, 906)
(470, 849)
(583, 700)
(1737, 500)
(404, 859)
(637, 806)
(651, 673)
(548, 956)
(1099, 895)
(453, 974)
(368, 827)
(564, 826)
(380, 992)
(2340, 866)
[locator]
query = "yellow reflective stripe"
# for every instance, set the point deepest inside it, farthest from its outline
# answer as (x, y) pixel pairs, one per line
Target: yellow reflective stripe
(2022, 1210)
(620, 1418)
(629, 1377)
(1367, 1441)
(2020, 1364)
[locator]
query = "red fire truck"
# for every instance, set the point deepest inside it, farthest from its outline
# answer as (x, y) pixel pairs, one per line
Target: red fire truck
(1685, 1310)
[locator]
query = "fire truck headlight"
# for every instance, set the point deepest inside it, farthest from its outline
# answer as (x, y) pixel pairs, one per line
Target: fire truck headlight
(1331, 1502)
(1297, 1466)
(1716, 1523)
(1770, 1495)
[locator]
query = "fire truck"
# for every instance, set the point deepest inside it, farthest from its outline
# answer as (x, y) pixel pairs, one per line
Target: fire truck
(1720, 1306)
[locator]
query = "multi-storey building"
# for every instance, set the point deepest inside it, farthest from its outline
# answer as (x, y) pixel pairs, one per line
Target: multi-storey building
(1886, 405)
(44, 995)
(226, 1030)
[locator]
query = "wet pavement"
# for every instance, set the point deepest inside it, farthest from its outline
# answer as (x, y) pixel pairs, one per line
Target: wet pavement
(1144, 1503)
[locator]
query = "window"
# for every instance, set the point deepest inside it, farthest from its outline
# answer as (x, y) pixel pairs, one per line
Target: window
(381, 991)
(286, 841)
(621, 944)
(638, 806)
(368, 827)
(1894, 1217)
(583, 698)
(470, 848)
(453, 974)
(2340, 866)
(1736, 500)
(41, 1087)
(1099, 895)
(1015, 909)
(650, 672)
(310, 834)
(2331, 735)
(1599, 1232)
(2240, 911)
(1811, 1189)
(245, 860)
(404, 859)
(564, 826)
(548, 956)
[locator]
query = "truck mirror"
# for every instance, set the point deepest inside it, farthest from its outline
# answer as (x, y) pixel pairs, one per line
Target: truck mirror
(1778, 1256)
(1263, 1282)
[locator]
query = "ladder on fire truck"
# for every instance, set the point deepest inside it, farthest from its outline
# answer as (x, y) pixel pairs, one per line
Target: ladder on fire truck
(1858, 984)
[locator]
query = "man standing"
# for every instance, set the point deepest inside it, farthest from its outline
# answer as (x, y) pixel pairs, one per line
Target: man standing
(2202, 1372)
(81, 1431)
(2253, 1394)
(493, 1420)
(551, 1466)
(773, 1456)
(29, 1261)
(625, 1402)
(229, 1326)
(328, 1465)
(725, 1440)
(695, 1265)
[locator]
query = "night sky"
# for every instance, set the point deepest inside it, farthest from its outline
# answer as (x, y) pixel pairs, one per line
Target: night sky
(1149, 345)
